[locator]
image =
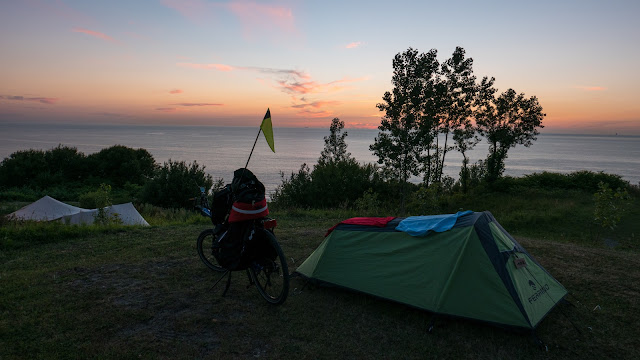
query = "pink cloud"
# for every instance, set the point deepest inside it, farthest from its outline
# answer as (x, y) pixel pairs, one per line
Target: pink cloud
(282, 72)
(305, 87)
(297, 87)
(591, 88)
(184, 106)
(268, 71)
(293, 82)
(95, 34)
(197, 104)
(362, 125)
(109, 114)
(316, 104)
(167, 109)
(219, 67)
(43, 100)
(257, 17)
(191, 9)
(353, 45)
(175, 91)
(314, 114)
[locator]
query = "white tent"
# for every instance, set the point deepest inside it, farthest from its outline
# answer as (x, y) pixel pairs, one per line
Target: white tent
(49, 209)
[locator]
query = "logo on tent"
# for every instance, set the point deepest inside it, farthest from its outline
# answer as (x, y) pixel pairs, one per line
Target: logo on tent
(537, 294)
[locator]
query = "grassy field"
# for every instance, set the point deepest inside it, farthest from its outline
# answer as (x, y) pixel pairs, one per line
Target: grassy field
(143, 293)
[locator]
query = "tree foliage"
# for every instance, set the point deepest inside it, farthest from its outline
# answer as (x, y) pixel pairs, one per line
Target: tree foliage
(26, 166)
(610, 205)
(174, 183)
(456, 93)
(120, 165)
(408, 118)
(505, 121)
(42, 169)
(436, 108)
(336, 180)
(335, 147)
(67, 168)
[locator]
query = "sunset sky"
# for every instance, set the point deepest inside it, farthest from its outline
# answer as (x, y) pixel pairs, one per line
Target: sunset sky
(200, 62)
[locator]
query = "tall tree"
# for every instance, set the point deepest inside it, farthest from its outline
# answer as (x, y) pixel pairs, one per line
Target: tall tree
(506, 121)
(399, 145)
(336, 180)
(457, 88)
(335, 148)
(466, 139)
(433, 91)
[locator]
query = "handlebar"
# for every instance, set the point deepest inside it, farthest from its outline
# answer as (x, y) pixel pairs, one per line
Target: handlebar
(203, 206)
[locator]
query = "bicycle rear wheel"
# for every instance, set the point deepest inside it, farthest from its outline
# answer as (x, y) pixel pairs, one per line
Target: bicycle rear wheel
(206, 246)
(271, 277)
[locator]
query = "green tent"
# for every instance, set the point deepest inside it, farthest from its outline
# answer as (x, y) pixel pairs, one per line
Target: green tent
(475, 269)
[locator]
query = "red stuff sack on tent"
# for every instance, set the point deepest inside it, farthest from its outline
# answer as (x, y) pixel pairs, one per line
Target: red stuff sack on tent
(241, 211)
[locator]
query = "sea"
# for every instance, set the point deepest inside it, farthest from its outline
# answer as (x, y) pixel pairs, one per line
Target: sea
(224, 149)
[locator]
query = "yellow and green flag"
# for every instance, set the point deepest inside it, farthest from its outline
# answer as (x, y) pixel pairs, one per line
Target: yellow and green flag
(267, 130)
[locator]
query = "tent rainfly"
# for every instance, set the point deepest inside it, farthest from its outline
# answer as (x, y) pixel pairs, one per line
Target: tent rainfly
(50, 209)
(464, 265)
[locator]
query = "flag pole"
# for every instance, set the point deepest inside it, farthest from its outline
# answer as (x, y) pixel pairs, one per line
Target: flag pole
(251, 153)
(254, 146)
(270, 135)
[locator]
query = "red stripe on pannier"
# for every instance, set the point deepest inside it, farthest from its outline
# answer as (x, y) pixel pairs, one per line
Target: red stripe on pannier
(247, 211)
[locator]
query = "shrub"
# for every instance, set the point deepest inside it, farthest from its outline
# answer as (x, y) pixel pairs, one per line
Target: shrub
(590, 181)
(65, 174)
(100, 199)
(368, 204)
(175, 183)
(19, 194)
(429, 200)
(586, 181)
(296, 190)
(330, 184)
(120, 165)
(24, 167)
(610, 205)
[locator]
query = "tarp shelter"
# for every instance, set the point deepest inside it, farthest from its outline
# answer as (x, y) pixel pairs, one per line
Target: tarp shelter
(474, 269)
(50, 209)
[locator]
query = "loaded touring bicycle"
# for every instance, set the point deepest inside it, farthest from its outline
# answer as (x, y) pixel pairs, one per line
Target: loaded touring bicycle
(243, 237)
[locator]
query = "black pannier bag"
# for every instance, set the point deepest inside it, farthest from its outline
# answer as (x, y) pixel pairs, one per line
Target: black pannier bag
(246, 187)
(222, 201)
(249, 200)
(240, 244)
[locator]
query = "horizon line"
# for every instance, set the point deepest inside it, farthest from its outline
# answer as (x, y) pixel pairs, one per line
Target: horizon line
(542, 131)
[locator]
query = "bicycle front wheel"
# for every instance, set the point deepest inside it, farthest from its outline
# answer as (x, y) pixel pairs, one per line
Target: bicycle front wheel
(206, 246)
(271, 276)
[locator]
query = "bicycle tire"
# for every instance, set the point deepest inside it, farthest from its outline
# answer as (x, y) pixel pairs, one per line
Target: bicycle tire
(271, 277)
(205, 243)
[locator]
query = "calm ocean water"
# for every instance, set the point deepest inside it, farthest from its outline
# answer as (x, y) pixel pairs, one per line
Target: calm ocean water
(223, 149)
